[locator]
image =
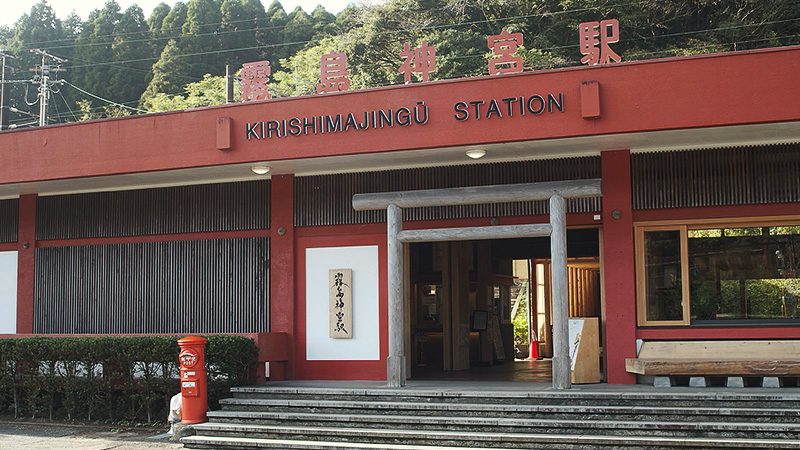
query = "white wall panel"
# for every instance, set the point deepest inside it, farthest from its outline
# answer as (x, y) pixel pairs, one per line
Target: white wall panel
(8, 292)
(365, 344)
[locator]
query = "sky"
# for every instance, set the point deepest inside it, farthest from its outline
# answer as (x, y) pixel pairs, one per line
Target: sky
(13, 9)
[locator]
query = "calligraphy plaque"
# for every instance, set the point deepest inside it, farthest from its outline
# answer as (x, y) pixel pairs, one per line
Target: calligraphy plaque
(340, 282)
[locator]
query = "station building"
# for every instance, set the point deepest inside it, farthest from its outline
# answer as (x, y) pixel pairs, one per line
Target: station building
(158, 223)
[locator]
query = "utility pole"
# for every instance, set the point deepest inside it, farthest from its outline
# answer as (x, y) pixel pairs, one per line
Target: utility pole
(44, 81)
(4, 104)
(228, 84)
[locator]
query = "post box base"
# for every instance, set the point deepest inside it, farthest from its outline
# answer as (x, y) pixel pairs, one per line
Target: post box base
(179, 430)
(192, 422)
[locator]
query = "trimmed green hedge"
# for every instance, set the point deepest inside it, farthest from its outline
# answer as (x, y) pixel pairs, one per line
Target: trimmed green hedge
(110, 378)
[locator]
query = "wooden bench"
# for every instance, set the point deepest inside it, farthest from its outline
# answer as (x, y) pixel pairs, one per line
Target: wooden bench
(775, 363)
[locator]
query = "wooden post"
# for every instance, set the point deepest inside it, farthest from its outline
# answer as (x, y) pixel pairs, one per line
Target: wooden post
(560, 297)
(395, 364)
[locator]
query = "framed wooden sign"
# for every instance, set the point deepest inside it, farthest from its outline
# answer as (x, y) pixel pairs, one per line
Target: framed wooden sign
(340, 293)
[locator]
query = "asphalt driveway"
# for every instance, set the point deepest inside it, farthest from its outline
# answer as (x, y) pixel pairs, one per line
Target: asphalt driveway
(47, 436)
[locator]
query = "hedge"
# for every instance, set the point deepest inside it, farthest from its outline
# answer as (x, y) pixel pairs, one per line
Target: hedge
(114, 379)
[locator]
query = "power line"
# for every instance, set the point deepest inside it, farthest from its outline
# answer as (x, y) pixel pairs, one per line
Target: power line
(433, 27)
(105, 99)
(45, 82)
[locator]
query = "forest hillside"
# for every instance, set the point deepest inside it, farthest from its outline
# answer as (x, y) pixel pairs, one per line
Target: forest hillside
(133, 61)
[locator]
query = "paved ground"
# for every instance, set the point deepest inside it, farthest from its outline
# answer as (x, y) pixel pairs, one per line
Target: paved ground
(45, 436)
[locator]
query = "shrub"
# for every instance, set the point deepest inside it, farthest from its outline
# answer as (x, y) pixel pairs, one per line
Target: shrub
(111, 378)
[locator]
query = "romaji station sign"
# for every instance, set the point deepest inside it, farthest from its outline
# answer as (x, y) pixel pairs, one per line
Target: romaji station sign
(595, 38)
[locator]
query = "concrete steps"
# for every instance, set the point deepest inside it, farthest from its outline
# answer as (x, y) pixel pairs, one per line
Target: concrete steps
(565, 412)
(314, 418)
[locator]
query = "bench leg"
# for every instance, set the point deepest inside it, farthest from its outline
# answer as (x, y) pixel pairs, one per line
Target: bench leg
(697, 382)
(735, 382)
(662, 382)
(771, 382)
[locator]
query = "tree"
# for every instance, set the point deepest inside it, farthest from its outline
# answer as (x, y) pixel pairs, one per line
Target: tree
(240, 31)
(38, 29)
(128, 80)
(273, 37)
(94, 55)
(173, 22)
(301, 72)
(324, 22)
(155, 23)
(165, 75)
(208, 92)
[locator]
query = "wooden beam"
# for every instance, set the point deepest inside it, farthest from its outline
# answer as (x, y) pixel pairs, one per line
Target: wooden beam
(763, 368)
(475, 233)
(479, 194)
(710, 350)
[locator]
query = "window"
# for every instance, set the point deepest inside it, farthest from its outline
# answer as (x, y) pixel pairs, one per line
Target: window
(713, 274)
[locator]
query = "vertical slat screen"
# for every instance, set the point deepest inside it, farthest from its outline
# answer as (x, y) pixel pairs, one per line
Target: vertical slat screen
(206, 286)
(326, 199)
(584, 292)
(9, 220)
(181, 209)
(717, 177)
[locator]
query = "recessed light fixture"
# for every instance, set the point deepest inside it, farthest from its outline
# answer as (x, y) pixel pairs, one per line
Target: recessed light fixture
(260, 170)
(476, 153)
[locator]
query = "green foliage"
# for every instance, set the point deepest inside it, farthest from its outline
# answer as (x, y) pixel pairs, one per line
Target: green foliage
(301, 73)
(520, 322)
(208, 92)
(111, 378)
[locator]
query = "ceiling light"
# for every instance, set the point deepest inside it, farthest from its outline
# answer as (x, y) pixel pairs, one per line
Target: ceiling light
(260, 170)
(476, 153)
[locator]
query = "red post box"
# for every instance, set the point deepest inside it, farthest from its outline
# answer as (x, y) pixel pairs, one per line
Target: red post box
(194, 394)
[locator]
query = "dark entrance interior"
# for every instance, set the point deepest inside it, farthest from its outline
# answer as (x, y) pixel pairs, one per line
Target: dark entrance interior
(468, 298)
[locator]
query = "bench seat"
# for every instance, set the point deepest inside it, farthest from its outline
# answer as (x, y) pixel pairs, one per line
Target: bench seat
(772, 361)
(741, 368)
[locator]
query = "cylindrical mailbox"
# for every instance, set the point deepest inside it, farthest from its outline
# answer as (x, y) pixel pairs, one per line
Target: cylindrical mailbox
(193, 380)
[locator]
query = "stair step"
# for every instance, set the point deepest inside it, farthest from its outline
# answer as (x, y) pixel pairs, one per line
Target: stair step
(504, 408)
(439, 423)
(371, 433)
(787, 397)
(342, 418)
(541, 442)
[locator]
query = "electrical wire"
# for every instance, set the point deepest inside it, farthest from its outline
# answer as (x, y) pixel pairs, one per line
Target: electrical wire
(68, 107)
(223, 51)
(113, 36)
(122, 64)
(104, 99)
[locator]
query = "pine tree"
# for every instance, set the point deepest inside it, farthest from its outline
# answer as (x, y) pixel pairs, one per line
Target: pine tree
(158, 38)
(165, 79)
(127, 80)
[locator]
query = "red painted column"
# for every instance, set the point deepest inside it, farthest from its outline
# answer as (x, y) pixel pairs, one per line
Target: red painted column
(618, 265)
(26, 262)
(282, 289)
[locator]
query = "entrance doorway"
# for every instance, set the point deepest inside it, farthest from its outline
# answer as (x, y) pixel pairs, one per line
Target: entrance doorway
(481, 310)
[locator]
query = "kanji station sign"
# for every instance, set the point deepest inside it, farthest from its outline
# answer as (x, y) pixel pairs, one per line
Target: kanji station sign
(594, 37)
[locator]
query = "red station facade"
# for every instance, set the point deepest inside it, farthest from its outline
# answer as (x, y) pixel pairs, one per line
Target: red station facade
(645, 128)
